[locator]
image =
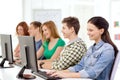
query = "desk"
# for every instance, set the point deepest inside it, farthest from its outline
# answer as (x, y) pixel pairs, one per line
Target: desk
(10, 74)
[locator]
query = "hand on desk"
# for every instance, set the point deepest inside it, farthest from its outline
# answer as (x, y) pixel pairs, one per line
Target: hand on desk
(54, 73)
(63, 74)
(44, 64)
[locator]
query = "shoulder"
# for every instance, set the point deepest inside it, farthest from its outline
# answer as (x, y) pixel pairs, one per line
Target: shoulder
(107, 46)
(78, 45)
(38, 42)
(80, 42)
(106, 50)
(61, 41)
(45, 43)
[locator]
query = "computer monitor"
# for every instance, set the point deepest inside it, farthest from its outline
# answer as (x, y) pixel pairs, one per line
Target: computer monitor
(28, 55)
(29, 59)
(6, 49)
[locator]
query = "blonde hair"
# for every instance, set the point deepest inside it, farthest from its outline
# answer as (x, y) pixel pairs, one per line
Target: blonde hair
(52, 27)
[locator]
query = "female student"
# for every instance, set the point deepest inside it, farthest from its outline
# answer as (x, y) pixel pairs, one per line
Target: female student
(73, 51)
(21, 30)
(52, 43)
(98, 61)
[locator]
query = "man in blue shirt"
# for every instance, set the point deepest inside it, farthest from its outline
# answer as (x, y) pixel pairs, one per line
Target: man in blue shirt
(35, 30)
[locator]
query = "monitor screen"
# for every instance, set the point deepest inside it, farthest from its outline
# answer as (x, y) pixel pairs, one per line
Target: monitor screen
(29, 58)
(28, 52)
(6, 48)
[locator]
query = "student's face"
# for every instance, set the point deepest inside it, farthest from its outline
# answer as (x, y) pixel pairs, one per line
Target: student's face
(32, 30)
(66, 31)
(93, 32)
(20, 31)
(46, 32)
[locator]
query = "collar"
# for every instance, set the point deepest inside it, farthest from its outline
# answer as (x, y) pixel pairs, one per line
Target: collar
(98, 45)
(74, 40)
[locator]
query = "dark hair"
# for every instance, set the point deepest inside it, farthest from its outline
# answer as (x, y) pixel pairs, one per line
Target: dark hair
(101, 23)
(24, 25)
(72, 22)
(37, 24)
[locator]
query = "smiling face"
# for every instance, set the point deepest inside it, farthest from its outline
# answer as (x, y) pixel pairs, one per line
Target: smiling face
(46, 32)
(32, 30)
(94, 33)
(20, 31)
(66, 31)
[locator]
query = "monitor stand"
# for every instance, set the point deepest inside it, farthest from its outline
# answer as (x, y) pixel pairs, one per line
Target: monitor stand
(3, 62)
(25, 76)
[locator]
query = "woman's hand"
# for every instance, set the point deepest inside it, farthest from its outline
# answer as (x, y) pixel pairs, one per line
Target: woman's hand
(63, 74)
(59, 74)
(38, 62)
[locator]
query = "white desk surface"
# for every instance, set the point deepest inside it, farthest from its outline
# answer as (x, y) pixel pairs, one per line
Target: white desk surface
(11, 73)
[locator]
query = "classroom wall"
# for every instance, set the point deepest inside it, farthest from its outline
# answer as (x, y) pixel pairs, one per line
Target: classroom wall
(83, 9)
(19, 10)
(10, 15)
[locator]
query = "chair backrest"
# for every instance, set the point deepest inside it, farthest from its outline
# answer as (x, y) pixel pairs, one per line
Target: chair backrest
(115, 66)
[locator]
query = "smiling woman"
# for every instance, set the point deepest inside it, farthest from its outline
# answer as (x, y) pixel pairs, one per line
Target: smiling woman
(52, 43)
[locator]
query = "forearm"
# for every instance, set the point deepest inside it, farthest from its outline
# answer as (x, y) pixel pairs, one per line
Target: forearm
(74, 75)
(66, 70)
(46, 65)
(40, 52)
(68, 74)
(38, 55)
(48, 60)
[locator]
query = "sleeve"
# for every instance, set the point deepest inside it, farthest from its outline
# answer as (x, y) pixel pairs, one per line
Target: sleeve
(71, 57)
(61, 43)
(78, 66)
(104, 60)
(44, 44)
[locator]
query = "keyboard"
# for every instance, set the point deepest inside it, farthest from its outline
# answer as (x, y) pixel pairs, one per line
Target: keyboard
(45, 76)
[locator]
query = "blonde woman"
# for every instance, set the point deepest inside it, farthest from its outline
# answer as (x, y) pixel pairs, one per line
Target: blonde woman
(52, 43)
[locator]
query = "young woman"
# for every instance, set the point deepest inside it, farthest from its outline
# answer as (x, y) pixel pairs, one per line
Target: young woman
(36, 31)
(52, 43)
(98, 61)
(73, 51)
(21, 30)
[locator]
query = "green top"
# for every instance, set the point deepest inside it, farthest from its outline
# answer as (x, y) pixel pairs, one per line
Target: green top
(48, 53)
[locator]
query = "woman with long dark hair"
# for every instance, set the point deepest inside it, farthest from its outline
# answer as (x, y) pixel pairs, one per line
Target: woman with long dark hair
(98, 61)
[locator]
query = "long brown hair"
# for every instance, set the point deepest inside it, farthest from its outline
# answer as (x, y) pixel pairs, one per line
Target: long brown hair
(24, 25)
(101, 23)
(52, 27)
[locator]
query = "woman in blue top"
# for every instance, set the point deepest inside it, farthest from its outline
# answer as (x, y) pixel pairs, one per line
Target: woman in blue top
(98, 61)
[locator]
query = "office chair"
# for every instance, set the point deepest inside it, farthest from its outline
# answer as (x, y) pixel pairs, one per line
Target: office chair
(115, 66)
